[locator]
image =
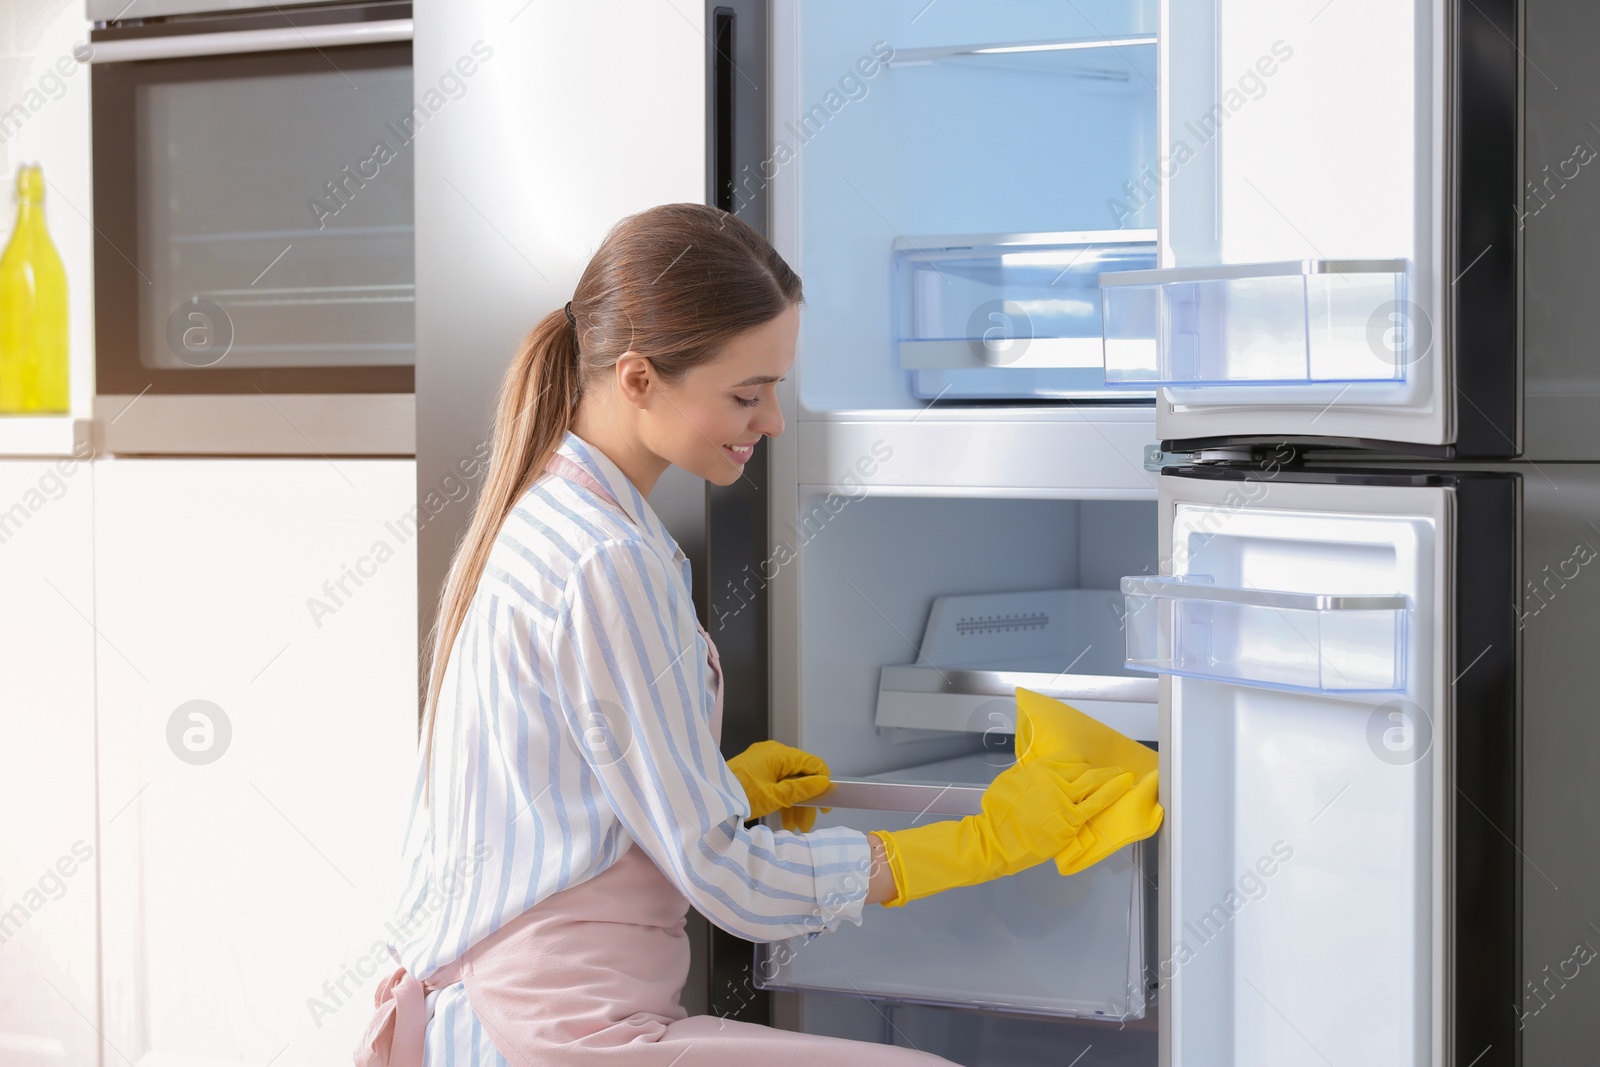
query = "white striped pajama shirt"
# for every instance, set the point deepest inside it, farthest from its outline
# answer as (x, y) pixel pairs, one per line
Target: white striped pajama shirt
(574, 720)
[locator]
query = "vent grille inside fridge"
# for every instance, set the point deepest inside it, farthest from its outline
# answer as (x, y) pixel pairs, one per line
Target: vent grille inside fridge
(988, 624)
(977, 649)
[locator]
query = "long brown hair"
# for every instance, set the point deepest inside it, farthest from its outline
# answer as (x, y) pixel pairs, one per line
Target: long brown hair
(674, 283)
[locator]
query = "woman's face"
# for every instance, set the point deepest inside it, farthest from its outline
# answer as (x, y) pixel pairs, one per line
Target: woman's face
(709, 423)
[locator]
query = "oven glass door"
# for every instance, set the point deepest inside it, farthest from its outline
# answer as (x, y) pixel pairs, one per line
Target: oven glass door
(254, 222)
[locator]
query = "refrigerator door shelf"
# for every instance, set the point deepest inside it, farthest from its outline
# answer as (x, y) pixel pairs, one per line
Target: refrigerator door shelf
(1310, 642)
(1299, 322)
(1033, 943)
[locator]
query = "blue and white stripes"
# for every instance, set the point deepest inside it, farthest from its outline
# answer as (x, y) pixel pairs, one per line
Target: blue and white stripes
(575, 720)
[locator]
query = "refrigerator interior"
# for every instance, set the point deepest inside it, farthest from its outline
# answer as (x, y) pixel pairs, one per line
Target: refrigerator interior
(880, 586)
(969, 190)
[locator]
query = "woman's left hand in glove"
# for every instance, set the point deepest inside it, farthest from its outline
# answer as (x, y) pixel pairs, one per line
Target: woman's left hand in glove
(775, 777)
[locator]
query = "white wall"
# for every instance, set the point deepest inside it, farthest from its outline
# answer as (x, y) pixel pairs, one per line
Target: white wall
(44, 119)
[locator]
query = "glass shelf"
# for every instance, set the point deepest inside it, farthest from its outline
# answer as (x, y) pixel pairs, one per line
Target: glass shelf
(1298, 322)
(1009, 315)
(1308, 642)
(1066, 56)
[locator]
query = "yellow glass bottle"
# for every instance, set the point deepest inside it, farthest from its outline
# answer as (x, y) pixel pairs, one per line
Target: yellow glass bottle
(33, 309)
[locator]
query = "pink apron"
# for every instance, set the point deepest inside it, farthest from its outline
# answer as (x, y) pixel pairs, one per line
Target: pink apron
(592, 975)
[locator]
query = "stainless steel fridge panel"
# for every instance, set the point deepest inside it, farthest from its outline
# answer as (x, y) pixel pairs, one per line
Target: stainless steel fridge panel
(1557, 219)
(515, 187)
(1557, 1007)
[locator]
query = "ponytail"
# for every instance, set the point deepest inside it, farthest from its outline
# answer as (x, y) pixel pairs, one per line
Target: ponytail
(538, 400)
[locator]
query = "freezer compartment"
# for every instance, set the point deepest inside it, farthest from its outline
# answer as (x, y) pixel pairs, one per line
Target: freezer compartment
(1302, 322)
(917, 618)
(1305, 641)
(976, 650)
(1008, 316)
(1034, 942)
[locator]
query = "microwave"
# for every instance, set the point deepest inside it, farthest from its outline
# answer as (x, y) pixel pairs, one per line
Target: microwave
(253, 214)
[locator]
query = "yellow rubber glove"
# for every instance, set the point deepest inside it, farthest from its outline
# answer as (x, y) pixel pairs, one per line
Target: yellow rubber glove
(1031, 812)
(775, 776)
(1050, 729)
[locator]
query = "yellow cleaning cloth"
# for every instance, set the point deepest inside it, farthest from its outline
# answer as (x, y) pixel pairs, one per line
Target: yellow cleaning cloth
(1050, 729)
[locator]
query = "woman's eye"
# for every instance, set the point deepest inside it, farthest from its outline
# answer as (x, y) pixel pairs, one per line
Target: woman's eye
(748, 401)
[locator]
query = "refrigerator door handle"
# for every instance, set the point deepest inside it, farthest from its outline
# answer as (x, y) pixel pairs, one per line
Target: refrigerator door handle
(869, 794)
(234, 42)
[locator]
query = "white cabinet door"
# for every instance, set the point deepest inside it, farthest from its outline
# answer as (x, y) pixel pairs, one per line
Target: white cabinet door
(48, 856)
(257, 693)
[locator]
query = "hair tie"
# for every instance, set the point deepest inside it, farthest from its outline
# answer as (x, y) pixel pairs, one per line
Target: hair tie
(571, 319)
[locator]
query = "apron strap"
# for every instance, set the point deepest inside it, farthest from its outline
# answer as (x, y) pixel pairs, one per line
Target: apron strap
(561, 465)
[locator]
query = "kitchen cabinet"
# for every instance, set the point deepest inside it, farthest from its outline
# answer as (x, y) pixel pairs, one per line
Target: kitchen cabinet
(48, 985)
(256, 676)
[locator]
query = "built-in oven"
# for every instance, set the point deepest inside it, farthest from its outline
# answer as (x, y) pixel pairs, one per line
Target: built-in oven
(253, 208)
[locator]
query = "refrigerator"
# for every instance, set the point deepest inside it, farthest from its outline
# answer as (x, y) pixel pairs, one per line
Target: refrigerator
(1224, 368)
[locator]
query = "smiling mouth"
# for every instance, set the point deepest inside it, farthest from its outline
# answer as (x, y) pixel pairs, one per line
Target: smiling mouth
(741, 449)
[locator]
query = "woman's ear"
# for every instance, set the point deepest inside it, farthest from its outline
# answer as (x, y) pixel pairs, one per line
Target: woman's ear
(635, 376)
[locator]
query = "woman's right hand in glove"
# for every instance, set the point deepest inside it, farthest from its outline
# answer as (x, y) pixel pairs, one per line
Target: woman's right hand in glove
(1031, 812)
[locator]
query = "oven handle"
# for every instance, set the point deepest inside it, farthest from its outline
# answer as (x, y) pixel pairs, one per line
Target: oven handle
(235, 41)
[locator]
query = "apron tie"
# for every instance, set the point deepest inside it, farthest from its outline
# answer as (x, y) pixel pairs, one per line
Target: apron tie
(394, 1037)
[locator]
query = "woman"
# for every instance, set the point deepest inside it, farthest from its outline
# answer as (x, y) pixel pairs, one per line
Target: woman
(571, 800)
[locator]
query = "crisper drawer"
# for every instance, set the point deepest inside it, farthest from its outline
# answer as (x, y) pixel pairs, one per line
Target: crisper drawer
(1034, 942)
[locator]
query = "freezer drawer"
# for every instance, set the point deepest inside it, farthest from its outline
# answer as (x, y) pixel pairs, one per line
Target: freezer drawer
(1034, 943)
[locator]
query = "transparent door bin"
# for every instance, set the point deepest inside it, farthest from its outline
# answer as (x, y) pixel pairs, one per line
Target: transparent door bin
(1302, 322)
(1033, 942)
(1009, 316)
(1310, 642)
(977, 649)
